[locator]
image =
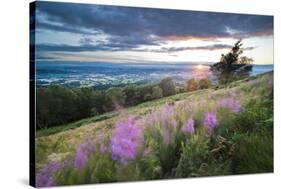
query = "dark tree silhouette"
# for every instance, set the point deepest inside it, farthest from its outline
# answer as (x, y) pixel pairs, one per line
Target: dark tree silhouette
(232, 66)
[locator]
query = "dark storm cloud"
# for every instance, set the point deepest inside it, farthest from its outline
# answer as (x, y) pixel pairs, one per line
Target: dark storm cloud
(82, 48)
(124, 21)
(128, 28)
(53, 27)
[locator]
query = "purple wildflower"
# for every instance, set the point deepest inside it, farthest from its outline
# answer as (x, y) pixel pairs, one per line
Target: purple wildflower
(166, 136)
(82, 153)
(43, 180)
(210, 121)
(44, 177)
(80, 158)
(102, 148)
(174, 123)
(230, 103)
(124, 141)
(166, 112)
(188, 127)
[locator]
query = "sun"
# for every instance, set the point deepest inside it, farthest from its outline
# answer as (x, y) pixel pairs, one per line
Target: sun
(199, 67)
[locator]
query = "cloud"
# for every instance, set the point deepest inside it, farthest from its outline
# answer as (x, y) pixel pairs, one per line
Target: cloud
(125, 47)
(137, 25)
(94, 28)
(53, 27)
(207, 47)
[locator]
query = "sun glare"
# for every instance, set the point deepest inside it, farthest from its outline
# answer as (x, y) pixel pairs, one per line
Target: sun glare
(199, 67)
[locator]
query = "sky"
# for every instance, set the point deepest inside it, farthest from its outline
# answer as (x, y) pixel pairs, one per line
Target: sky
(115, 34)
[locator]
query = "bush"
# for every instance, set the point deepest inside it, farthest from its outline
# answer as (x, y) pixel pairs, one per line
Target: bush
(157, 92)
(192, 85)
(258, 115)
(253, 154)
(98, 169)
(168, 86)
(204, 83)
(143, 93)
(57, 105)
(115, 97)
(194, 154)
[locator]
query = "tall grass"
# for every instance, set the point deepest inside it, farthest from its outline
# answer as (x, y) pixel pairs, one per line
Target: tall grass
(214, 133)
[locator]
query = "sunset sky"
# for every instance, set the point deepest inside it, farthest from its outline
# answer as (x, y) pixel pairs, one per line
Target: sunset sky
(96, 33)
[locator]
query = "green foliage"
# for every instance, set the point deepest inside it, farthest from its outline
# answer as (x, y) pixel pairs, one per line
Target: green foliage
(242, 142)
(115, 97)
(233, 56)
(157, 92)
(149, 167)
(164, 157)
(231, 66)
(168, 86)
(57, 105)
(253, 154)
(98, 169)
(76, 124)
(143, 93)
(195, 152)
(257, 115)
(130, 95)
(245, 60)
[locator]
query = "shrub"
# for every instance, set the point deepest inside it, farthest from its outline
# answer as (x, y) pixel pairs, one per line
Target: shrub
(194, 153)
(99, 168)
(253, 154)
(157, 92)
(115, 97)
(168, 86)
(204, 83)
(257, 115)
(192, 85)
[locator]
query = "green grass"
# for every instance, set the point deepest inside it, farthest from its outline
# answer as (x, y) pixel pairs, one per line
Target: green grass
(60, 142)
(73, 125)
(140, 109)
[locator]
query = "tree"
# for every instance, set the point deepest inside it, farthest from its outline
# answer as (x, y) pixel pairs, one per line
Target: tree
(231, 66)
(168, 86)
(204, 83)
(191, 85)
(115, 97)
(143, 93)
(130, 95)
(245, 60)
(157, 92)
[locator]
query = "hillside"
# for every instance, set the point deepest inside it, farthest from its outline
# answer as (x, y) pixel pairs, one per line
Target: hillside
(235, 116)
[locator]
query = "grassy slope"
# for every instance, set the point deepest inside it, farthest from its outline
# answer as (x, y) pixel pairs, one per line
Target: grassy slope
(138, 110)
(56, 143)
